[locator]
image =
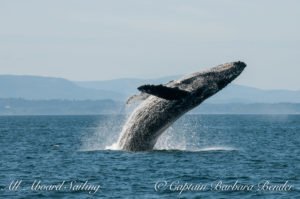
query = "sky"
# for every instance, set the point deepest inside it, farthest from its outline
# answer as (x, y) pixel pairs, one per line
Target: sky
(100, 40)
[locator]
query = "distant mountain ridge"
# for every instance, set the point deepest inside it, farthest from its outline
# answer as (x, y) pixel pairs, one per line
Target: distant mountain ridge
(234, 93)
(127, 86)
(45, 88)
(36, 87)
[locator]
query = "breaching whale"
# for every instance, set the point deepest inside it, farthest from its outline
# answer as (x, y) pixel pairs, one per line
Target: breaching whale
(164, 104)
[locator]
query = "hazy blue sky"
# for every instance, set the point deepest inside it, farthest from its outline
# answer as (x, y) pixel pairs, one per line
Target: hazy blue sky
(97, 40)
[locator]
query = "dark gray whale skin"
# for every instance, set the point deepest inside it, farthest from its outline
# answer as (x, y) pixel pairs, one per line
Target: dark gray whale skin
(153, 116)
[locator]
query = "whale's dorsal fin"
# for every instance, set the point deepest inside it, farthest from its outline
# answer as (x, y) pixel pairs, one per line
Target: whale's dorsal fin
(164, 92)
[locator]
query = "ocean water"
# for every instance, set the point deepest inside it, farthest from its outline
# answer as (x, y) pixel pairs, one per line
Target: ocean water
(200, 156)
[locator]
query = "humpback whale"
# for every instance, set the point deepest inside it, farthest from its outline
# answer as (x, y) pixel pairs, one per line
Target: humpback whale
(164, 104)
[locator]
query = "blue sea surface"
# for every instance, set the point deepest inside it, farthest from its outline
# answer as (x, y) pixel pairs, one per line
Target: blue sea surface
(218, 153)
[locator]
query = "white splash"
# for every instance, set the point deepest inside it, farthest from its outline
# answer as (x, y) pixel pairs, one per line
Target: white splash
(189, 136)
(114, 147)
(180, 138)
(106, 135)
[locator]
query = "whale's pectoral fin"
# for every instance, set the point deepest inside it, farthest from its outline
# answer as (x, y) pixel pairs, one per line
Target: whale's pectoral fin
(164, 92)
(137, 98)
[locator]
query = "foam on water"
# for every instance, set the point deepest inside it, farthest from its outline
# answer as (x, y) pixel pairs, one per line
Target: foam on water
(218, 148)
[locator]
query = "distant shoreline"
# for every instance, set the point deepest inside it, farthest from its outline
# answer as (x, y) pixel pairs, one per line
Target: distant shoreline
(17, 106)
